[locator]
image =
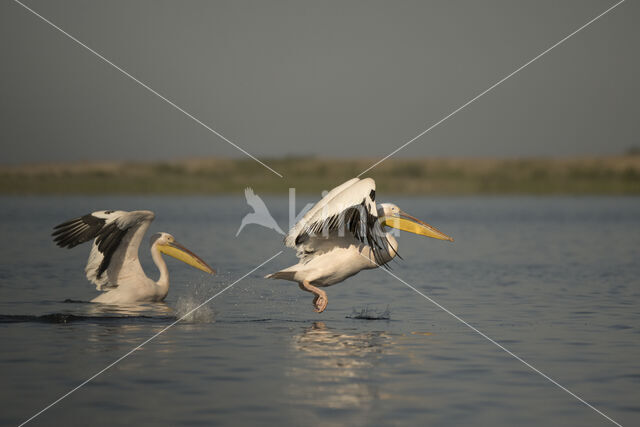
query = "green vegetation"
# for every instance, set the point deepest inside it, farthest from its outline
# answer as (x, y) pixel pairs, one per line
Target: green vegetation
(446, 176)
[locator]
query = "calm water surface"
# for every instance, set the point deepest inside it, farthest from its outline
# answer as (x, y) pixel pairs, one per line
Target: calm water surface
(555, 280)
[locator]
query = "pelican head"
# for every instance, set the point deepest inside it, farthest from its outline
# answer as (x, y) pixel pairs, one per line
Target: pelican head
(392, 216)
(167, 244)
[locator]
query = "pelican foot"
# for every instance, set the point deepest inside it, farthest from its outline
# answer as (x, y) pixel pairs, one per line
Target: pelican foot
(320, 300)
(320, 303)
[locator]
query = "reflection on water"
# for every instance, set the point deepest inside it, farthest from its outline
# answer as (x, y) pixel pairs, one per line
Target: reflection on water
(115, 336)
(332, 368)
(150, 310)
(122, 326)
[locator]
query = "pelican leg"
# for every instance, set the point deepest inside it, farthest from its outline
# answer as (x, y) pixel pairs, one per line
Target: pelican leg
(320, 300)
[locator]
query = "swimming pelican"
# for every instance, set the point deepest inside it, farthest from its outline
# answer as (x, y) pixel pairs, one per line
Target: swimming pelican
(343, 234)
(113, 264)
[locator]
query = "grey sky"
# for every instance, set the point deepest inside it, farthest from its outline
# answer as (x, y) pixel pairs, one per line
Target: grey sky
(330, 78)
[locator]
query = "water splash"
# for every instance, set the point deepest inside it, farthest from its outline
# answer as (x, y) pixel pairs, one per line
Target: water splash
(196, 295)
(368, 313)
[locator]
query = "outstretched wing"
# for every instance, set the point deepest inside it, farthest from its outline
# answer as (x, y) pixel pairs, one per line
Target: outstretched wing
(296, 230)
(117, 236)
(350, 209)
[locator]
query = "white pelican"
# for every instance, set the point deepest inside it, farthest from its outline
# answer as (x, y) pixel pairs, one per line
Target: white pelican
(113, 264)
(343, 234)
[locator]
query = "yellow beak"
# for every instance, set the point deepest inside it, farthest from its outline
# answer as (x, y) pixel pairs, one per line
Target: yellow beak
(178, 251)
(406, 222)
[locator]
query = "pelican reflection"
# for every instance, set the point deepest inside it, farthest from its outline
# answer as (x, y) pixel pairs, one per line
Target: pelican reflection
(333, 368)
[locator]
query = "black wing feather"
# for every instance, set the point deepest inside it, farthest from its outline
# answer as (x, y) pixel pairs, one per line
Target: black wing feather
(80, 230)
(77, 231)
(108, 241)
(357, 220)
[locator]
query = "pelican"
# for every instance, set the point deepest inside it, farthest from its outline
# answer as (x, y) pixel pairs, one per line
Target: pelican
(113, 264)
(343, 234)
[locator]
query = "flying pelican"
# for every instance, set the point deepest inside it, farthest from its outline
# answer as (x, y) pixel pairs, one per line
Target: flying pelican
(343, 234)
(113, 264)
(260, 214)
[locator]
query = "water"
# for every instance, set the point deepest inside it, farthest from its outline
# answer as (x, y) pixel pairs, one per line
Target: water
(555, 280)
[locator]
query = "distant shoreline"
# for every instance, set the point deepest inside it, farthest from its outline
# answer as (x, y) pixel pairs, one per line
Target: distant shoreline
(434, 176)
